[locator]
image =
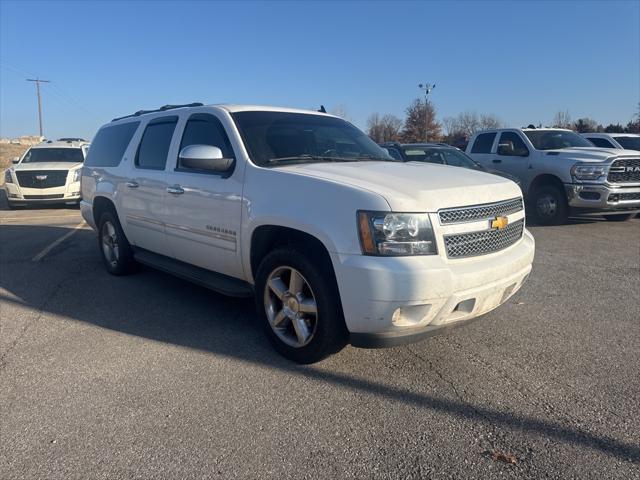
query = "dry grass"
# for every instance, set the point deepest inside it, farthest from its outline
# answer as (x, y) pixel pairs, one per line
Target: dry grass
(7, 152)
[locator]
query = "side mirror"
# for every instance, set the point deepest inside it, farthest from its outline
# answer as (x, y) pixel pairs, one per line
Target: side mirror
(15, 160)
(204, 157)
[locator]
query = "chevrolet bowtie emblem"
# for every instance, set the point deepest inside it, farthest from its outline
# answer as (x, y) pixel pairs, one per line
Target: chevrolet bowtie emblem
(499, 223)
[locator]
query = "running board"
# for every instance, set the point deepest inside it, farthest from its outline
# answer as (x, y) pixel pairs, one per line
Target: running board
(217, 282)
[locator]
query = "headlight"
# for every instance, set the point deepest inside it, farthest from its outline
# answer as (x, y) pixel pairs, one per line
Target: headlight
(77, 175)
(588, 172)
(7, 176)
(396, 234)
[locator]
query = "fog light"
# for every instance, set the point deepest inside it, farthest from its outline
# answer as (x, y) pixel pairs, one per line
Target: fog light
(586, 195)
(410, 315)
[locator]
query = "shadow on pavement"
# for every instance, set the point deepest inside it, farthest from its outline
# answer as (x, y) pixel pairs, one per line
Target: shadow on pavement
(232, 333)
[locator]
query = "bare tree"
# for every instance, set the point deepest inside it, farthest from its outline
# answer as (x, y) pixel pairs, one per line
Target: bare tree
(489, 121)
(562, 119)
(385, 129)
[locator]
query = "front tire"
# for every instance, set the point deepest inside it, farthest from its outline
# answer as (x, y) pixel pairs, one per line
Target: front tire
(550, 206)
(619, 218)
(115, 249)
(299, 305)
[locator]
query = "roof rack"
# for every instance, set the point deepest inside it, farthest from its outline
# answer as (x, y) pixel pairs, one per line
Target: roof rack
(161, 109)
(71, 139)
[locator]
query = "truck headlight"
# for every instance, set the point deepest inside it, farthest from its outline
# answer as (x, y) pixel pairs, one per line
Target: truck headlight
(396, 234)
(7, 176)
(585, 171)
(77, 175)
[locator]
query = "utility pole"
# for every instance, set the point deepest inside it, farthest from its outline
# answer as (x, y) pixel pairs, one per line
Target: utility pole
(38, 82)
(427, 90)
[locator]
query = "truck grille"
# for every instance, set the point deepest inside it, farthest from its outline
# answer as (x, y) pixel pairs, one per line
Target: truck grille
(624, 197)
(481, 243)
(42, 178)
(479, 212)
(624, 171)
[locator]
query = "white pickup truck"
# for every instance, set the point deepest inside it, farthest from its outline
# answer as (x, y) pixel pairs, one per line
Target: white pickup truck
(562, 172)
(335, 240)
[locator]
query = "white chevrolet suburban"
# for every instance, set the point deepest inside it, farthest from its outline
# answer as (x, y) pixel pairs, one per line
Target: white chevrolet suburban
(562, 172)
(47, 173)
(337, 242)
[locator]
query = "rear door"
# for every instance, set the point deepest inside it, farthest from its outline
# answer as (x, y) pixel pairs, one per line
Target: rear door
(481, 148)
(204, 208)
(143, 201)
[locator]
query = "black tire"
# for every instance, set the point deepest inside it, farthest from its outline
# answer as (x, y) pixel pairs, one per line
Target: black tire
(122, 262)
(330, 333)
(619, 218)
(549, 205)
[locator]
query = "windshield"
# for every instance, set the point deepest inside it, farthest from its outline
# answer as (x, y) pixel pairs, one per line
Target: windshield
(443, 156)
(629, 143)
(275, 138)
(73, 155)
(555, 139)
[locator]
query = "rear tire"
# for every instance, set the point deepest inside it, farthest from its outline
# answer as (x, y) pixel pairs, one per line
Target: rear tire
(549, 205)
(299, 305)
(619, 218)
(115, 249)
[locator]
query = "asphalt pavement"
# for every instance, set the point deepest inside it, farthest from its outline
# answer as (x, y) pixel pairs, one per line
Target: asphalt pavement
(148, 376)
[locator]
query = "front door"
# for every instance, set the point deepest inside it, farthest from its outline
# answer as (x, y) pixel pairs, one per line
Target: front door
(512, 156)
(204, 208)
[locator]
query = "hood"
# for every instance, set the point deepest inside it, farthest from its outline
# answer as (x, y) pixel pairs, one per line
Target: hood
(586, 154)
(46, 166)
(415, 186)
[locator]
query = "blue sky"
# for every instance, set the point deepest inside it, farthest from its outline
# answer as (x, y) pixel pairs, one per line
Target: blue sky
(521, 61)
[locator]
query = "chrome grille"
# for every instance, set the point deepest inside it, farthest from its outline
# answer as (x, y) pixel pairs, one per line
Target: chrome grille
(42, 178)
(624, 197)
(624, 171)
(473, 244)
(479, 212)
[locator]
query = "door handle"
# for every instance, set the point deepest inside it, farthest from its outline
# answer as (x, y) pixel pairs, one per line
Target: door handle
(497, 160)
(133, 184)
(175, 190)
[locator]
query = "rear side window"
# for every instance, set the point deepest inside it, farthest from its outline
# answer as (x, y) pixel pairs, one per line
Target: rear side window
(154, 146)
(205, 129)
(109, 145)
(483, 143)
(601, 142)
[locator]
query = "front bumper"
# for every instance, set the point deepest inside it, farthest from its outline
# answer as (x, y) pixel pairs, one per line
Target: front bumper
(603, 198)
(390, 301)
(17, 195)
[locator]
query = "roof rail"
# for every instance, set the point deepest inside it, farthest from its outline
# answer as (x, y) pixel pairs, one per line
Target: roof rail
(161, 109)
(71, 139)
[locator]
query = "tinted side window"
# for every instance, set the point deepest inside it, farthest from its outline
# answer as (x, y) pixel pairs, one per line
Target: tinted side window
(154, 146)
(395, 154)
(109, 145)
(601, 142)
(511, 145)
(483, 143)
(205, 129)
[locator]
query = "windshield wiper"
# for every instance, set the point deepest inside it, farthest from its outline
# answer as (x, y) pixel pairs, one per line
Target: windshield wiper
(298, 158)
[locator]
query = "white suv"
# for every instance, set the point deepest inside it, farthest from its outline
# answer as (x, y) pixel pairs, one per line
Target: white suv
(336, 241)
(626, 141)
(46, 173)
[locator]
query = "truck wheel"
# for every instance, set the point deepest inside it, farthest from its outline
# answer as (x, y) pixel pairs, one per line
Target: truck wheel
(619, 218)
(299, 305)
(550, 205)
(114, 248)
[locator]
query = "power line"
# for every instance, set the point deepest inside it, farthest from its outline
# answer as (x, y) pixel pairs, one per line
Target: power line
(38, 82)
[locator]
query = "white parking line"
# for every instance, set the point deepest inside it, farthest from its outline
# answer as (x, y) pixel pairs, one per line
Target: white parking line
(26, 219)
(53, 245)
